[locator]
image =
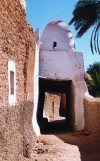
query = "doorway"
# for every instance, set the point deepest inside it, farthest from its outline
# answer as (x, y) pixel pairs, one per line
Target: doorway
(54, 113)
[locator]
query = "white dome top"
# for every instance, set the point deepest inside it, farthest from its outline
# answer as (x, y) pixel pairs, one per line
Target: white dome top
(56, 36)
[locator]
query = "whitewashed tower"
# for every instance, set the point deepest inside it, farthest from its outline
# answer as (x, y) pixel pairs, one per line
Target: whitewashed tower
(60, 62)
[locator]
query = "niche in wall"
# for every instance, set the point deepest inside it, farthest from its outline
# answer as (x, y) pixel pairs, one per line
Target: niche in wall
(12, 82)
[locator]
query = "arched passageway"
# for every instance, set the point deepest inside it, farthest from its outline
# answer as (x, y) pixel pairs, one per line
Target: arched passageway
(59, 119)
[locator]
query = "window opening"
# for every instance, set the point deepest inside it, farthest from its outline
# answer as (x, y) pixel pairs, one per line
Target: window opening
(54, 44)
(12, 82)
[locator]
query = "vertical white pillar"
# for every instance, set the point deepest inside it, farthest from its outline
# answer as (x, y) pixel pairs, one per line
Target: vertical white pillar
(36, 92)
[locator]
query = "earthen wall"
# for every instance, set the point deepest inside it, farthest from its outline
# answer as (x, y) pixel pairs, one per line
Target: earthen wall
(17, 43)
(92, 115)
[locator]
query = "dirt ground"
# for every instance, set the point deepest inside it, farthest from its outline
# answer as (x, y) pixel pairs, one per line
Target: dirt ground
(51, 148)
(89, 146)
(58, 145)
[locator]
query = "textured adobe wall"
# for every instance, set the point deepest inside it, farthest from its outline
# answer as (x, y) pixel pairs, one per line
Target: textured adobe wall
(16, 133)
(92, 115)
(17, 43)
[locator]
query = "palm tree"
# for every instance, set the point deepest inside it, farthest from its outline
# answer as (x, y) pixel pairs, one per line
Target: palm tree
(85, 15)
(94, 71)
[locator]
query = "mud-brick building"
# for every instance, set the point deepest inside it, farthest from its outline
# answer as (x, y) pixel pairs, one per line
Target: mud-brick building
(17, 55)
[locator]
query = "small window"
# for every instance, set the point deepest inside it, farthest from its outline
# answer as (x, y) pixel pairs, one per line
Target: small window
(54, 44)
(12, 82)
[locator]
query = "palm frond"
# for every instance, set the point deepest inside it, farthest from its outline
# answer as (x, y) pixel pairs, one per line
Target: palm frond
(85, 15)
(98, 42)
(94, 42)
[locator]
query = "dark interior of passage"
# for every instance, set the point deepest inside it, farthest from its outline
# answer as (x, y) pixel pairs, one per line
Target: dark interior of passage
(55, 86)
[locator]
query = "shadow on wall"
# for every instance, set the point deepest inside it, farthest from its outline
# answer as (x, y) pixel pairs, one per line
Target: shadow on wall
(16, 133)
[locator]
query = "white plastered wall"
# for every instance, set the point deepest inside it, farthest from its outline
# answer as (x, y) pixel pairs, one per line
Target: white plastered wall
(57, 31)
(79, 90)
(23, 4)
(36, 91)
(63, 63)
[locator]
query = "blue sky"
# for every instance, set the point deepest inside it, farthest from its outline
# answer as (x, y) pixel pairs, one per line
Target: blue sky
(41, 12)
